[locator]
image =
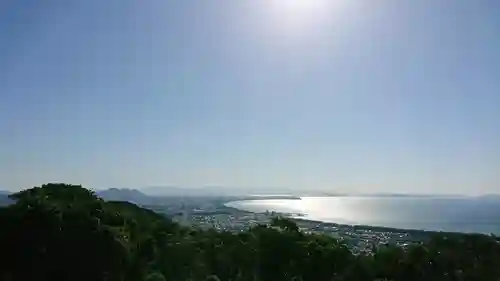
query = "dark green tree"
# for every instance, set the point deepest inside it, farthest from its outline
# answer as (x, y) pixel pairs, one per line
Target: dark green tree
(65, 232)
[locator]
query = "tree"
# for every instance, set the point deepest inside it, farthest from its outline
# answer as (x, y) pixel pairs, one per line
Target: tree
(65, 232)
(285, 224)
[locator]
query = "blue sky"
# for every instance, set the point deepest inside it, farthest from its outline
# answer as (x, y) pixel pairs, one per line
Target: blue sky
(357, 96)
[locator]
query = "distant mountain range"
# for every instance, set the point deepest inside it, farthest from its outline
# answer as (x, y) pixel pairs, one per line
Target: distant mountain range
(130, 195)
(232, 191)
(153, 195)
(227, 191)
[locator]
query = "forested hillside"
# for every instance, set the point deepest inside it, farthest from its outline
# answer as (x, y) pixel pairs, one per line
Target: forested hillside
(65, 232)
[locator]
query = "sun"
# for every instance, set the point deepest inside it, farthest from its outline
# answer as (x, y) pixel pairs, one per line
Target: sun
(299, 14)
(299, 7)
(291, 24)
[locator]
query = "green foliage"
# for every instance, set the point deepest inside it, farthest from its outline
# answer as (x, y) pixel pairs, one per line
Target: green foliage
(65, 232)
(284, 224)
(155, 276)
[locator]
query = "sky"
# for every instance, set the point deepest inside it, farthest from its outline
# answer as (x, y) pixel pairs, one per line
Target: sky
(339, 95)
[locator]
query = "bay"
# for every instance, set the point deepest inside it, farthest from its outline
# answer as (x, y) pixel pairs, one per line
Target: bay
(454, 214)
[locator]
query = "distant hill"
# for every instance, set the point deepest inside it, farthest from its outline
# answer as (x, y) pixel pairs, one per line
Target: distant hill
(151, 194)
(224, 191)
(169, 191)
(496, 196)
(129, 195)
(4, 198)
(489, 198)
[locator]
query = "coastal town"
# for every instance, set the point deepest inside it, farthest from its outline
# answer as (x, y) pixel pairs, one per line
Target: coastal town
(215, 212)
(359, 239)
(212, 213)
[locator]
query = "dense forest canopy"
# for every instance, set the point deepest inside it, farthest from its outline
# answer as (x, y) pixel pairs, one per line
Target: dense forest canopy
(66, 232)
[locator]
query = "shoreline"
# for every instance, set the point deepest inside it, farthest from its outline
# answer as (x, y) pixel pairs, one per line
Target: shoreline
(361, 227)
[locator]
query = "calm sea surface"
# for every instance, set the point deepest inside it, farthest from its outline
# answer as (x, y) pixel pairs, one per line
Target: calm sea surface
(461, 214)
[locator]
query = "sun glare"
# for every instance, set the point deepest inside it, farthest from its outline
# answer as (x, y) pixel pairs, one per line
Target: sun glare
(298, 6)
(299, 14)
(288, 25)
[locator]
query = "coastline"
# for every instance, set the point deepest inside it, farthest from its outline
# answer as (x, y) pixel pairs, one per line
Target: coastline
(422, 233)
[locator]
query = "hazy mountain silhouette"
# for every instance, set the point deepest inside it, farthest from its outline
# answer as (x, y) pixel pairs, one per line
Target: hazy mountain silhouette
(226, 191)
(118, 194)
(4, 198)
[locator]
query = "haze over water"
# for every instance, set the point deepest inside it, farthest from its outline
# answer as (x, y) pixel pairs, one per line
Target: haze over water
(456, 214)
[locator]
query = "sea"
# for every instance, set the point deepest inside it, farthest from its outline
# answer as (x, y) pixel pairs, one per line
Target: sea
(450, 214)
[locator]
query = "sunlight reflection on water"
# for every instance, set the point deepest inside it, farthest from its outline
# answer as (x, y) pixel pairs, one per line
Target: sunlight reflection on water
(447, 214)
